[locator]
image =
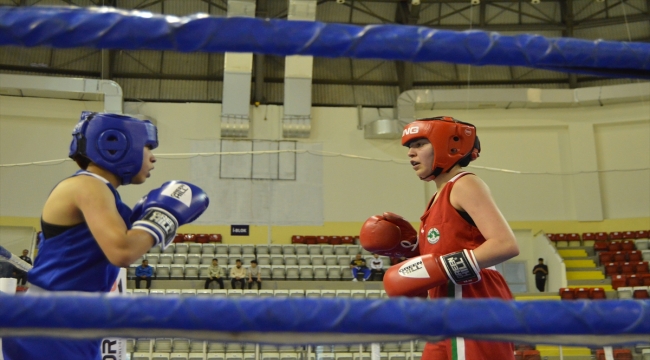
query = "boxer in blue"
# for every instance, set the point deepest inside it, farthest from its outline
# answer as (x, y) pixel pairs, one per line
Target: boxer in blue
(88, 233)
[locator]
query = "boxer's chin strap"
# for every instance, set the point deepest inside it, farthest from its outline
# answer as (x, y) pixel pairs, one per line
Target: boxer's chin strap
(429, 177)
(435, 172)
(407, 244)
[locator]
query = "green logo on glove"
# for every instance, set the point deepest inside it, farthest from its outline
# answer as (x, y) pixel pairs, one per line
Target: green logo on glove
(433, 236)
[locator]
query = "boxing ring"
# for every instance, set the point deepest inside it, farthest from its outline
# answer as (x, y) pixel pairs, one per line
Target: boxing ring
(296, 321)
(107, 28)
(321, 321)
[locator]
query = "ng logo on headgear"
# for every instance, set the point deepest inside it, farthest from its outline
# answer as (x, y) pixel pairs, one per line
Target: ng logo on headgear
(411, 130)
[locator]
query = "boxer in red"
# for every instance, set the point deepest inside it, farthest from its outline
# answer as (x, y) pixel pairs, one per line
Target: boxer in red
(462, 233)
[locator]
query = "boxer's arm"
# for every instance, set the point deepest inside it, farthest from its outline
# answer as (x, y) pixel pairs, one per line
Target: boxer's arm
(415, 276)
(472, 195)
(97, 204)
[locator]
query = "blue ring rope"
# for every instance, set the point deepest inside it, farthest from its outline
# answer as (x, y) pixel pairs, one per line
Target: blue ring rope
(313, 321)
(108, 28)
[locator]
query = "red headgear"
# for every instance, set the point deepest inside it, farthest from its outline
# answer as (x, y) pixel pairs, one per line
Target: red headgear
(452, 140)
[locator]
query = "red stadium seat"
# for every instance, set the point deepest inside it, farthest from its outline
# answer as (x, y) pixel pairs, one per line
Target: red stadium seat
(215, 238)
(641, 293)
(620, 256)
(615, 235)
(619, 354)
(622, 354)
(645, 279)
(628, 245)
(629, 235)
(322, 240)
(581, 293)
(602, 236)
(614, 246)
(189, 238)
(601, 246)
(347, 240)
(574, 239)
(567, 294)
(605, 257)
(561, 239)
(627, 268)
(643, 234)
(179, 238)
(633, 280)
(588, 239)
(519, 355)
(634, 256)
(297, 239)
(335, 240)
(619, 281)
(201, 238)
(597, 293)
(310, 240)
(641, 267)
(612, 269)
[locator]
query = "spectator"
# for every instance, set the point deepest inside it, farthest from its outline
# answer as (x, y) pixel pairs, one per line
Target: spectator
(359, 264)
(541, 271)
(216, 273)
(26, 258)
(254, 275)
(143, 272)
(238, 275)
(377, 267)
(22, 275)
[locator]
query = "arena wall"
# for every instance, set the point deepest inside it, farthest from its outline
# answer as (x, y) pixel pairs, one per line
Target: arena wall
(527, 140)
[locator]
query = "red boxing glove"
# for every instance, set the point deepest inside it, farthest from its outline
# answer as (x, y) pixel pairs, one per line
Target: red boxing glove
(412, 277)
(389, 235)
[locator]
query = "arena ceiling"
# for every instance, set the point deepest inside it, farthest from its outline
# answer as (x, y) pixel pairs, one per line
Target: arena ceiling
(198, 77)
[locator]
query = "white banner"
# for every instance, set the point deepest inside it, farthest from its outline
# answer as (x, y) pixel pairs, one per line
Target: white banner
(7, 286)
(113, 348)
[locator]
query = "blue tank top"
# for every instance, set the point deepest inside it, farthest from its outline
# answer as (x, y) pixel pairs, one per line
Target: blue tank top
(72, 260)
(69, 261)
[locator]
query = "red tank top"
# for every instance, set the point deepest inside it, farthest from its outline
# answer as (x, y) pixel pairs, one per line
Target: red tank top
(443, 230)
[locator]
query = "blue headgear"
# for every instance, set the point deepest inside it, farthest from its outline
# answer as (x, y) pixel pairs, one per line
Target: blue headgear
(114, 142)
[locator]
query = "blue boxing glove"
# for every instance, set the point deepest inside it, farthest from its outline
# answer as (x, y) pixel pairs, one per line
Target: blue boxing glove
(138, 209)
(163, 210)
